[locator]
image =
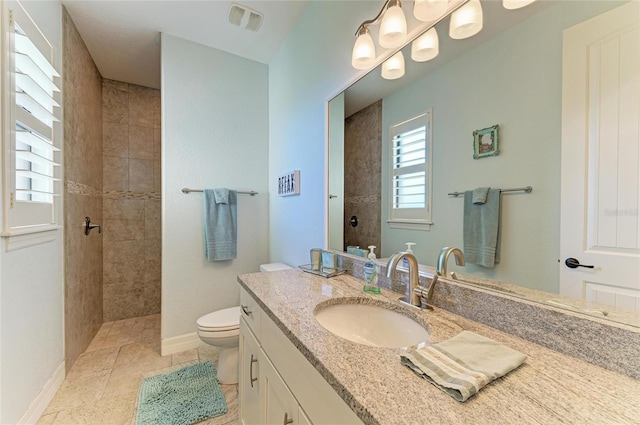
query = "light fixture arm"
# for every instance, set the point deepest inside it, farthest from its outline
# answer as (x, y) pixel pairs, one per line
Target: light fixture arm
(363, 26)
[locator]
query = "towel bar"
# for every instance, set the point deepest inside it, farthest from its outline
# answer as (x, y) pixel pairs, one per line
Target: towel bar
(527, 189)
(186, 190)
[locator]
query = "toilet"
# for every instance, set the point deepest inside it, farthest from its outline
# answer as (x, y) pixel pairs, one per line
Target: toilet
(222, 328)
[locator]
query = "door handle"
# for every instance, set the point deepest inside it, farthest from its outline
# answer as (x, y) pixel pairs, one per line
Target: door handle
(572, 263)
(245, 310)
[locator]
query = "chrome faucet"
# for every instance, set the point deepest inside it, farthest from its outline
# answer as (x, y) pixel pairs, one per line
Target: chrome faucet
(444, 257)
(415, 291)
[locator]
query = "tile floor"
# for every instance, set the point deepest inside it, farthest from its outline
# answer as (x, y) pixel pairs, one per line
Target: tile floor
(102, 386)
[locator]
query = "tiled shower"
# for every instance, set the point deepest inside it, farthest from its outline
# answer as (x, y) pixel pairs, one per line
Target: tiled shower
(111, 174)
(363, 176)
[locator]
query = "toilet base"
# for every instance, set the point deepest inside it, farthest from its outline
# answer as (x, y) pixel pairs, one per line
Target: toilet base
(228, 366)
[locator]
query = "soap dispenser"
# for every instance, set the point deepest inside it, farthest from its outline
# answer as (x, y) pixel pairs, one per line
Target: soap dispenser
(371, 272)
(405, 262)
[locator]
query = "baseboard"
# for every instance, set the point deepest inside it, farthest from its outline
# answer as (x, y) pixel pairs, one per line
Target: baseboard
(179, 343)
(38, 406)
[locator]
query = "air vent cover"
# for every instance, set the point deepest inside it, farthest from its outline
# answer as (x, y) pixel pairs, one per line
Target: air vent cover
(244, 17)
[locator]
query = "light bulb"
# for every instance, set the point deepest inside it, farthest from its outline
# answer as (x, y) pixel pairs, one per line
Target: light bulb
(393, 29)
(364, 51)
(429, 10)
(393, 68)
(516, 4)
(466, 21)
(425, 47)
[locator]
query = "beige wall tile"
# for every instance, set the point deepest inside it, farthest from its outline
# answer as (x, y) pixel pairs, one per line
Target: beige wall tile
(124, 252)
(115, 139)
(157, 111)
(152, 296)
(140, 175)
(153, 249)
(115, 102)
(140, 142)
(122, 300)
(157, 176)
(116, 173)
(83, 142)
(123, 230)
(152, 229)
(157, 144)
(123, 272)
(141, 108)
(152, 271)
(152, 209)
(124, 209)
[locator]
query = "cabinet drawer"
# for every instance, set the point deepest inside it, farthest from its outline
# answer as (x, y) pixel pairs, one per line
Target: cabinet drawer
(251, 311)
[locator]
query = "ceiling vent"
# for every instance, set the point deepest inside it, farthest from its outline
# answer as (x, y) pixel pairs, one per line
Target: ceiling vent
(244, 17)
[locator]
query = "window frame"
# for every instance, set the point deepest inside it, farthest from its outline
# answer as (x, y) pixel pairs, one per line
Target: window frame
(412, 218)
(27, 223)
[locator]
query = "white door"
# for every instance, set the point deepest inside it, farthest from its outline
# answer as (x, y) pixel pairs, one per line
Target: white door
(601, 158)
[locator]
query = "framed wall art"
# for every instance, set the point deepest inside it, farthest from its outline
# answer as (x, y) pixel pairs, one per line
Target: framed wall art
(289, 183)
(485, 142)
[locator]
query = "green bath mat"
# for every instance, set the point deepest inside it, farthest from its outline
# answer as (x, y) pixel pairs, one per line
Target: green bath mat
(183, 397)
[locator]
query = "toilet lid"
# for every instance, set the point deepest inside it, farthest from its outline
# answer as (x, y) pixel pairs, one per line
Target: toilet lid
(221, 320)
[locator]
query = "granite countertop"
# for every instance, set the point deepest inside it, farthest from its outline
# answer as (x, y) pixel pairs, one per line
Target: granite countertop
(549, 388)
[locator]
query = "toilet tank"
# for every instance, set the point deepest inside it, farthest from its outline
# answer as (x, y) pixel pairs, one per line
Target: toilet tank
(272, 267)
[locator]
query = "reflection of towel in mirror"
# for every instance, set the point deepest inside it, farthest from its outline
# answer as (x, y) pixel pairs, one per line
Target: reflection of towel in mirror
(462, 365)
(481, 229)
(220, 224)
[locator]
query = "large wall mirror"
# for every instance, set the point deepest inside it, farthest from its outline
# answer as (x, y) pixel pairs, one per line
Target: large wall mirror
(511, 75)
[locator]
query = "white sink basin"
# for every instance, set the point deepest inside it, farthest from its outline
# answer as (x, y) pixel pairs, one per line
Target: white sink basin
(375, 325)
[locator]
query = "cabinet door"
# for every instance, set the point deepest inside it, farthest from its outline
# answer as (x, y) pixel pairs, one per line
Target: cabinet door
(281, 408)
(250, 412)
(303, 419)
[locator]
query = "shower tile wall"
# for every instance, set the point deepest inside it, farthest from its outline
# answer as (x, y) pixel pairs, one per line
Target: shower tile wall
(363, 176)
(82, 88)
(131, 205)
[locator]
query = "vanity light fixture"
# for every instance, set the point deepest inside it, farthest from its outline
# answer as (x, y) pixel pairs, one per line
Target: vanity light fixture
(430, 10)
(466, 21)
(393, 68)
(364, 51)
(516, 4)
(393, 29)
(425, 47)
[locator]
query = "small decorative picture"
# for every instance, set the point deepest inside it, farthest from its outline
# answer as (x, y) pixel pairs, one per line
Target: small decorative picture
(485, 142)
(289, 183)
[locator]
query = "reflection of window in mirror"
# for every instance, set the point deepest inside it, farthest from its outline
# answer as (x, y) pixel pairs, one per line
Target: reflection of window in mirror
(410, 173)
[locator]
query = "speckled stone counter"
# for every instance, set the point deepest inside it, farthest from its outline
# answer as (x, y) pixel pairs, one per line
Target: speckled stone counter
(549, 388)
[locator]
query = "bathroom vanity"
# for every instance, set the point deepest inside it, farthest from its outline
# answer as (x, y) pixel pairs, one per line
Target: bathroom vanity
(294, 371)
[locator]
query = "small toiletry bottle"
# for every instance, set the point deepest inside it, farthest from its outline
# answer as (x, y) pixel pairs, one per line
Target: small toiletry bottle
(405, 262)
(371, 273)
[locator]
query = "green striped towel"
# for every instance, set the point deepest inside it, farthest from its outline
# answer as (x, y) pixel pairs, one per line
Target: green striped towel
(462, 365)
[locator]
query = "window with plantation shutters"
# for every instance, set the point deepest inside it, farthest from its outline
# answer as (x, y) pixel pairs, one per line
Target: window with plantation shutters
(31, 114)
(410, 173)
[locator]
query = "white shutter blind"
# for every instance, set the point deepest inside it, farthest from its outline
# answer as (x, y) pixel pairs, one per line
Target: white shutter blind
(34, 114)
(410, 170)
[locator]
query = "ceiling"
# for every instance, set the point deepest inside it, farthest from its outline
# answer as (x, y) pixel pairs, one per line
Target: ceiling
(123, 36)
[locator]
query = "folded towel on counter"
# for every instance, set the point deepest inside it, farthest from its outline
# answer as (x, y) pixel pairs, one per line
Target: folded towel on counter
(480, 195)
(481, 229)
(220, 224)
(464, 364)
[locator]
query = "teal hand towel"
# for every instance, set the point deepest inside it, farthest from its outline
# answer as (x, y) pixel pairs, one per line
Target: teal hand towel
(220, 224)
(464, 364)
(480, 195)
(481, 229)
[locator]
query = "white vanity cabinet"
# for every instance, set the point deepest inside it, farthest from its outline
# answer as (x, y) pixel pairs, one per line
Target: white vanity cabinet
(286, 387)
(249, 379)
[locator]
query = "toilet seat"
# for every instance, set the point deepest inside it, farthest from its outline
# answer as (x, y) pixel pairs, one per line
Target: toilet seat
(221, 321)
